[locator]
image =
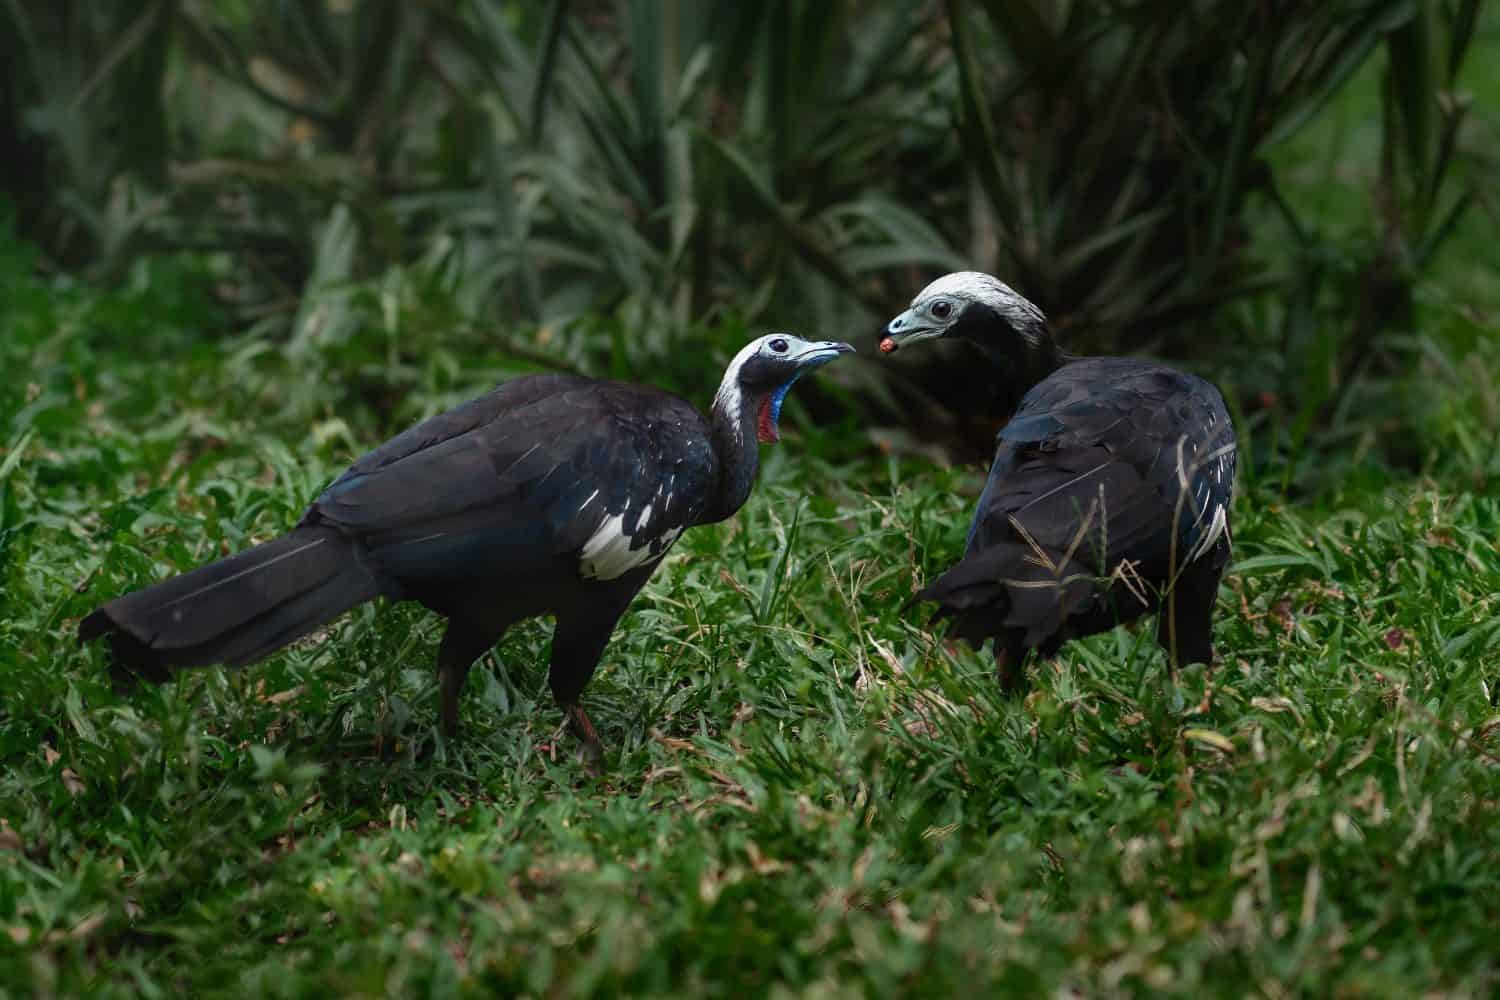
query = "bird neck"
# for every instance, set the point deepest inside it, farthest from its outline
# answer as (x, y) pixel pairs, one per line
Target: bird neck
(733, 423)
(1026, 357)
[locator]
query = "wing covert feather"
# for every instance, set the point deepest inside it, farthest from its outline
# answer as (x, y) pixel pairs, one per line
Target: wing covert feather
(526, 473)
(1124, 449)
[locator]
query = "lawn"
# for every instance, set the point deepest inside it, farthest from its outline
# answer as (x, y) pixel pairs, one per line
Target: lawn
(804, 785)
(806, 790)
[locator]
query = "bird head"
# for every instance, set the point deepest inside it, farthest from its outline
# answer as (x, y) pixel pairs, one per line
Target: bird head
(968, 305)
(765, 369)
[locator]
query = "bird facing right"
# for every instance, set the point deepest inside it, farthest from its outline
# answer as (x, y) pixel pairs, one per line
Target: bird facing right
(1108, 497)
(552, 494)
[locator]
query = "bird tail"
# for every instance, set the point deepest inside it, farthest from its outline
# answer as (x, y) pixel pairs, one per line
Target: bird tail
(1012, 590)
(234, 611)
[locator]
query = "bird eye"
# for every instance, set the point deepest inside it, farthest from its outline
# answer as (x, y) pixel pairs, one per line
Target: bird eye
(942, 309)
(778, 345)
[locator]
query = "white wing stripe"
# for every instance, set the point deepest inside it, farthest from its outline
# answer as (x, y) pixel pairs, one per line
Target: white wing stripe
(609, 553)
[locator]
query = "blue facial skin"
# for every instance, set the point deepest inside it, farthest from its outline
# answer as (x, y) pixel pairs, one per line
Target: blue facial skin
(779, 396)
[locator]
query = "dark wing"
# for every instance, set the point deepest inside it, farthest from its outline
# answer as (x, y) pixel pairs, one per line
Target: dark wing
(541, 467)
(1113, 460)
(1112, 477)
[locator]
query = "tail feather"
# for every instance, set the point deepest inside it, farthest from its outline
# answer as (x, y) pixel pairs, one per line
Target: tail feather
(237, 610)
(1010, 588)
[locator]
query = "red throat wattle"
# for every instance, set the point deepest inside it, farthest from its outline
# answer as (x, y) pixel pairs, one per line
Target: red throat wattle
(765, 426)
(887, 345)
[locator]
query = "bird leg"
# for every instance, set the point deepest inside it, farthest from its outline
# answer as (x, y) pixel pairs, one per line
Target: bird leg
(592, 751)
(577, 642)
(1010, 670)
(451, 680)
(1184, 624)
(461, 646)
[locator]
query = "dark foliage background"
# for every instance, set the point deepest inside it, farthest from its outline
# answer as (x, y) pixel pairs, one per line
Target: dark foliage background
(590, 183)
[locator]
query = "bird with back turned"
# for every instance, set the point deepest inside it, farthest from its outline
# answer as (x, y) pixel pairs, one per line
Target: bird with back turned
(551, 494)
(1108, 497)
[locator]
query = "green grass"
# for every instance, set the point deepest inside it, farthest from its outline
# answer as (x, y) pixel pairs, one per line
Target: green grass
(807, 791)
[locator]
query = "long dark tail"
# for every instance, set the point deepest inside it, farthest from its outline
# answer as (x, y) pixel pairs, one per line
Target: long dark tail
(237, 610)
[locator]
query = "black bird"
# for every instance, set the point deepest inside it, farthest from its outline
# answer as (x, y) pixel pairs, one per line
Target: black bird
(1109, 493)
(552, 494)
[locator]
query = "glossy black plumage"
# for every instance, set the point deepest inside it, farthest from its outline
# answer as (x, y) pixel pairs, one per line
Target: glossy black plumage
(507, 479)
(1107, 498)
(1085, 514)
(552, 494)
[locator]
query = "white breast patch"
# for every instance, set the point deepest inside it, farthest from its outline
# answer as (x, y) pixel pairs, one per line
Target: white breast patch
(609, 553)
(1212, 518)
(1216, 528)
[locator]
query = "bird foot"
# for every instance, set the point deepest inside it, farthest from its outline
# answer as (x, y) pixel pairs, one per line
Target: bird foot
(590, 750)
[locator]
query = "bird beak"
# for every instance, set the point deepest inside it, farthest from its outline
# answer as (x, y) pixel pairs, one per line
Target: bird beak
(908, 328)
(821, 353)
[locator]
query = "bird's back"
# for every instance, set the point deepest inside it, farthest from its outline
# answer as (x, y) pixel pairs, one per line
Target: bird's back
(543, 470)
(1111, 481)
(1124, 438)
